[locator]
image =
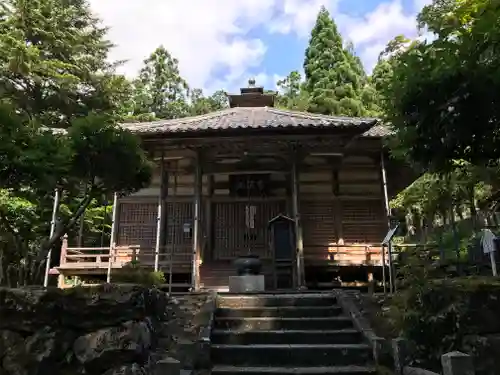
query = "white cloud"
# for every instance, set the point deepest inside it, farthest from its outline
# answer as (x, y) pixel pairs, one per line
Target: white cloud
(372, 32)
(205, 35)
(210, 37)
(369, 33)
(298, 16)
(263, 79)
(381, 24)
(419, 4)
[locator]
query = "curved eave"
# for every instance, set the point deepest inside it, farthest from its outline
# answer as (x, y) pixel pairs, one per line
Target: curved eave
(251, 119)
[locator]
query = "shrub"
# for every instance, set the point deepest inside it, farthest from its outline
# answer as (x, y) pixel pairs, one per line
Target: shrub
(439, 316)
(133, 273)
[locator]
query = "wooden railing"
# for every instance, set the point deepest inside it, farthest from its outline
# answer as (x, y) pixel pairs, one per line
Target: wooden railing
(102, 258)
(119, 256)
(345, 255)
(85, 257)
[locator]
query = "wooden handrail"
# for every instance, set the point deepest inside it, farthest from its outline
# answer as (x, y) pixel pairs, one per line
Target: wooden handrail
(87, 248)
(121, 255)
(170, 254)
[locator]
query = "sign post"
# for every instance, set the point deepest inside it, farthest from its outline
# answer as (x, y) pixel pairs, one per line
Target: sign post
(489, 247)
(388, 242)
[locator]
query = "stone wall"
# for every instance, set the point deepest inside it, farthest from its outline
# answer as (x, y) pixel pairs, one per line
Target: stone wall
(104, 330)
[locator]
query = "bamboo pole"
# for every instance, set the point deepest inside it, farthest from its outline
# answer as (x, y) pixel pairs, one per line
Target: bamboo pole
(112, 236)
(388, 212)
(55, 209)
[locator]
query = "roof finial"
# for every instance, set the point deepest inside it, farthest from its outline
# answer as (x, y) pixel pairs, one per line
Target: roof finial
(251, 82)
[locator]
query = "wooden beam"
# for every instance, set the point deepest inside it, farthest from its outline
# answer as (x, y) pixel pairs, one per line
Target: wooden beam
(210, 168)
(272, 185)
(340, 143)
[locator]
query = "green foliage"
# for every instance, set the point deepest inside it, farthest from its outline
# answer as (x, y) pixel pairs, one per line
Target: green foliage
(31, 157)
(160, 92)
(292, 95)
(383, 71)
(335, 78)
(160, 89)
(439, 316)
(443, 201)
(92, 158)
(444, 99)
(133, 273)
(201, 104)
(53, 64)
(106, 157)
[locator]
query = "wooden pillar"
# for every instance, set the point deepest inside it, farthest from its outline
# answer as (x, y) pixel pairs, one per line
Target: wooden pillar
(159, 216)
(165, 183)
(299, 242)
(112, 239)
(337, 209)
(81, 227)
(197, 222)
(62, 259)
(55, 209)
(209, 222)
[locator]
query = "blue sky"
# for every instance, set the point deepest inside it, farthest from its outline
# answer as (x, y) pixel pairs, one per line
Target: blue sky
(221, 43)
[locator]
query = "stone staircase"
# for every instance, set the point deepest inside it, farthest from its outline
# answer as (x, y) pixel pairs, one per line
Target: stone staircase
(285, 334)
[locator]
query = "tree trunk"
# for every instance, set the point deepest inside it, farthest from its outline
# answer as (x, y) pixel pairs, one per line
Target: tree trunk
(472, 207)
(456, 240)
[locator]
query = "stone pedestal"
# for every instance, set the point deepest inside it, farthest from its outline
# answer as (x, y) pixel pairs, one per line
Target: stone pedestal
(168, 366)
(457, 363)
(246, 284)
(400, 354)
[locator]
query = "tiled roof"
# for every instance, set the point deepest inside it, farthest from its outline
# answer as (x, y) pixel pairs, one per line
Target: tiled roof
(379, 130)
(247, 118)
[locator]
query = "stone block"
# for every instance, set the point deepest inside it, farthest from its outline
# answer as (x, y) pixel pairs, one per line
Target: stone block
(457, 363)
(246, 283)
(167, 366)
(400, 354)
(381, 352)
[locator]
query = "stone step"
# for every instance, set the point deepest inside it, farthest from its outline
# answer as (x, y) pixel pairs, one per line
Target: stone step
(333, 370)
(280, 311)
(292, 355)
(272, 300)
(269, 323)
(345, 336)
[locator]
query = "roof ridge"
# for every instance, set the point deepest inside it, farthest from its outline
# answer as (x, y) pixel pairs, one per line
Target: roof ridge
(182, 120)
(317, 115)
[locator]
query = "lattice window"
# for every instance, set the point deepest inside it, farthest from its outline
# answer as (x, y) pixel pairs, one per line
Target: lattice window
(369, 210)
(137, 235)
(138, 213)
(318, 223)
(232, 232)
(180, 223)
(364, 233)
(137, 224)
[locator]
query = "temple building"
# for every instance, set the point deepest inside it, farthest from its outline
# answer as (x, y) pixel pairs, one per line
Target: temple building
(222, 177)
